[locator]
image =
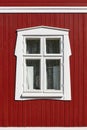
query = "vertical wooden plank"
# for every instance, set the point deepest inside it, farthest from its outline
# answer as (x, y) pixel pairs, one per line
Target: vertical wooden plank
(5, 72)
(11, 73)
(36, 20)
(71, 121)
(43, 115)
(85, 70)
(80, 74)
(10, 101)
(76, 70)
(47, 113)
(1, 69)
(36, 113)
(14, 36)
(12, 41)
(1, 88)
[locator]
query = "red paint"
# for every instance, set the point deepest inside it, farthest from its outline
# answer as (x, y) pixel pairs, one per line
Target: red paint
(84, 68)
(43, 3)
(43, 112)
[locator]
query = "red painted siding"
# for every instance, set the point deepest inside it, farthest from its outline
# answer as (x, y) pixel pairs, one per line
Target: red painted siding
(43, 3)
(43, 112)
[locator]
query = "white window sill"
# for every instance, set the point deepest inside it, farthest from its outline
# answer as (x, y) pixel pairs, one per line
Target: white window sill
(47, 94)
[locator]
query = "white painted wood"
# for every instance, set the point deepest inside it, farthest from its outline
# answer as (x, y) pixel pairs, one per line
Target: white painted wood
(41, 27)
(42, 32)
(38, 95)
(67, 82)
(43, 9)
(43, 128)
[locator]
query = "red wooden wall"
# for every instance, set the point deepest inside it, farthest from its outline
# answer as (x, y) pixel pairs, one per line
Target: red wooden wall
(43, 2)
(43, 112)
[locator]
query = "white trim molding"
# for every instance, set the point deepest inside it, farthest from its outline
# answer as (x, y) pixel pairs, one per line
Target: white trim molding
(43, 9)
(21, 89)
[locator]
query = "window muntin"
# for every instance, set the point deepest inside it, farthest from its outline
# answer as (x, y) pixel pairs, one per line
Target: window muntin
(43, 57)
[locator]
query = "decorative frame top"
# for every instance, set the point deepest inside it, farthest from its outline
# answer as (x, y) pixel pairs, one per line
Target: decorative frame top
(42, 27)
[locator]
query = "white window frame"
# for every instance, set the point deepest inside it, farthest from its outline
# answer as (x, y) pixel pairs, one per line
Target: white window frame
(42, 57)
(46, 32)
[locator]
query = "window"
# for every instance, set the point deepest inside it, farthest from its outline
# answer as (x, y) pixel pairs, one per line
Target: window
(41, 68)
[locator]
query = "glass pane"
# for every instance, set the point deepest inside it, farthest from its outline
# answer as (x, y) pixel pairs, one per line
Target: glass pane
(33, 46)
(52, 45)
(33, 74)
(53, 74)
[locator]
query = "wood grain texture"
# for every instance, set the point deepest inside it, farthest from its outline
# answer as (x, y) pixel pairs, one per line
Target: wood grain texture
(43, 112)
